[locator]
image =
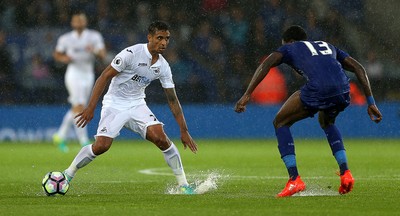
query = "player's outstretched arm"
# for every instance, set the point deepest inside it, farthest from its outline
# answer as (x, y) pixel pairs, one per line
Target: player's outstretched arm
(176, 110)
(272, 60)
(354, 66)
(62, 57)
(87, 114)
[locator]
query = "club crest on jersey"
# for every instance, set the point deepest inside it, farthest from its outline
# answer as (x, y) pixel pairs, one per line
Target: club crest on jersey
(156, 70)
(103, 130)
(118, 61)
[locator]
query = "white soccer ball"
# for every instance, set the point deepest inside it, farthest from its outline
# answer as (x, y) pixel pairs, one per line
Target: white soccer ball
(55, 183)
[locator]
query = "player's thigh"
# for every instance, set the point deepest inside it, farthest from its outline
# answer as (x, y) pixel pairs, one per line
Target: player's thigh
(141, 119)
(328, 115)
(325, 119)
(292, 110)
(111, 122)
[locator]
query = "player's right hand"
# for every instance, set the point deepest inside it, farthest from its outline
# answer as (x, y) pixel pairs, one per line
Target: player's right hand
(84, 117)
(241, 104)
(374, 113)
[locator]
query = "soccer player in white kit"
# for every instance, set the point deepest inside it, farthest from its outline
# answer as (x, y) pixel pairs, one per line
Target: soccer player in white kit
(124, 105)
(78, 49)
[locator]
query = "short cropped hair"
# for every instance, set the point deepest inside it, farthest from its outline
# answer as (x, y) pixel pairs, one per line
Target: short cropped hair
(295, 32)
(157, 26)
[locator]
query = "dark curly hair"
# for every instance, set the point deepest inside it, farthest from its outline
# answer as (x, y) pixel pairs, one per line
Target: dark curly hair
(157, 26)
(295, 32)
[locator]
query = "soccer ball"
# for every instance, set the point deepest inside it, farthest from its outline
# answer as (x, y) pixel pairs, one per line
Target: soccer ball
(55, 183)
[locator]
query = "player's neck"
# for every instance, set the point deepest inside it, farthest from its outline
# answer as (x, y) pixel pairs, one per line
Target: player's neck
(154, 58)
(79, 31)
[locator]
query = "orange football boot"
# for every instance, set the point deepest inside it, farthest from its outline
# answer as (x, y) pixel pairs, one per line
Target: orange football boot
(346, 182)
(292, 187)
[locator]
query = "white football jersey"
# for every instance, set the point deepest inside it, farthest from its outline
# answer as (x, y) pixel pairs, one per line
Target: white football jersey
(127, 89)
(77, 47)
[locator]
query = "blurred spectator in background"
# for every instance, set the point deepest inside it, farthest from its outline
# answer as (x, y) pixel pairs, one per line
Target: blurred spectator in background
(237, 75)
(202, 30)
(314, 32)
(7, 83)
(218, 60)
(37, 80)
(202, 37)
(257, 40)
(236, 29)
(143, 16)
(38, 73)
(375, 72)
(182, 74)
(273, 15)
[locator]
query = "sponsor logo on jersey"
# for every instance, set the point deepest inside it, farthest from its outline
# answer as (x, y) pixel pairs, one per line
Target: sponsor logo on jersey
(118, 61)
(141, 79)
(142, 64)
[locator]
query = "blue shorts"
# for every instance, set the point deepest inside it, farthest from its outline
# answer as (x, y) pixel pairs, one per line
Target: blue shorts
(332, 106)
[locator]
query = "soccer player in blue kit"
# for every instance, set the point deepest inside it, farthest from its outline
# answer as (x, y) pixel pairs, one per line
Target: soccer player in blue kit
(326, 92)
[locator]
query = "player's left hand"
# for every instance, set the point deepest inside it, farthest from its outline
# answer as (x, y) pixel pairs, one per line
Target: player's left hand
(374, 113)
(188, 141)
(241, 104)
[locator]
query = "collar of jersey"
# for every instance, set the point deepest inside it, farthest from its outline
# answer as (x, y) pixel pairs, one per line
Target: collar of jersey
(146, 50)
(75, 33)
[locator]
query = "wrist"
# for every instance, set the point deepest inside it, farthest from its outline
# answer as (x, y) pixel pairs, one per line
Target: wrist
(370, 100)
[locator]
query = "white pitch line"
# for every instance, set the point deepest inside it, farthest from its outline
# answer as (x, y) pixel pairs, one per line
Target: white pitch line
(163, 172)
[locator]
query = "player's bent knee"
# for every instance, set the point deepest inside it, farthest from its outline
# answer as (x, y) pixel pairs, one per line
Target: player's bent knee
(101, 145)
(277, 123)
(161, 141)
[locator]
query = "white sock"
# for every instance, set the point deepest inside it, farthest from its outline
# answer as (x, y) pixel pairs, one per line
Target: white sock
(83, 158)
(82, 135)
(173, 160)
(66, 124)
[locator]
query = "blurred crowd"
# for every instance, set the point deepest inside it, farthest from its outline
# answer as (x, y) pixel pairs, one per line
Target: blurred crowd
(215, 47)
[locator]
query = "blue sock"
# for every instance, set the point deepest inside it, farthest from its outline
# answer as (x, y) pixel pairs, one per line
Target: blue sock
(290, 163)
(286, 149)
(336, 143)
(341, 159)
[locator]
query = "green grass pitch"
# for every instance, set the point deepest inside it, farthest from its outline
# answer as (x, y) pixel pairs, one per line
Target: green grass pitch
(132, 178)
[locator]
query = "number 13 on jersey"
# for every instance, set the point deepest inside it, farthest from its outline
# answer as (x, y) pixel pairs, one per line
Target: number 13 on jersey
(322, 47)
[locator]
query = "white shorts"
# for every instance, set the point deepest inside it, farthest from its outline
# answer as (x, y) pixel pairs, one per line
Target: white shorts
(136, 119)
(79, 87)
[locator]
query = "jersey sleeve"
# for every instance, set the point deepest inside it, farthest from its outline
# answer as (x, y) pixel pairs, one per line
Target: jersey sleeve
(61, 44)
(166, 78)
(285, 53)
(98, 42)
(340, 54)
(122, 60)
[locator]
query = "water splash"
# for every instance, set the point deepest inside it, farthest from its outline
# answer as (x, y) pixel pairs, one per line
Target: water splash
(203, 182)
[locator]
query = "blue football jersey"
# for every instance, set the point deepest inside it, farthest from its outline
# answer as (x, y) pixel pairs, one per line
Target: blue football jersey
(319, 63)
